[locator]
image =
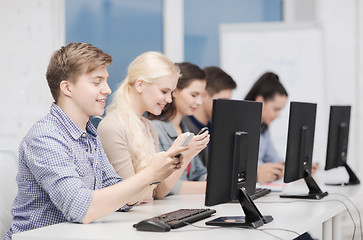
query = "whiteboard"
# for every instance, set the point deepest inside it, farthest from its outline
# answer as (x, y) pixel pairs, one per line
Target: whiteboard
(295, 53)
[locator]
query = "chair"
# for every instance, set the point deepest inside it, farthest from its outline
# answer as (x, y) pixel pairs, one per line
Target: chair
(95, 120)
(8, 188)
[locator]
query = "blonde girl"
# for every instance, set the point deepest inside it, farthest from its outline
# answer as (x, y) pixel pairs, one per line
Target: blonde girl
(129, 139)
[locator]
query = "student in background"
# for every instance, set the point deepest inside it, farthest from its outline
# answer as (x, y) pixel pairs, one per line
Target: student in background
(219, 85)
(269, 90)
(187, 97)
(129, 139)
(64, 174)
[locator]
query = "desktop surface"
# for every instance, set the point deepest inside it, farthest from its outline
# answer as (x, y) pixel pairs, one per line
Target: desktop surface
(295, 215)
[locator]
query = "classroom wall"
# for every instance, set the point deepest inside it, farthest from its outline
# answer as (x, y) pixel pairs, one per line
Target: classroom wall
(30, 31)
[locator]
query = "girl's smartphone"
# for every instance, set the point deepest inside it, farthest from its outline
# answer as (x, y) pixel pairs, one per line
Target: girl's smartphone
(185, 142)
(202, 130)
(187, 139)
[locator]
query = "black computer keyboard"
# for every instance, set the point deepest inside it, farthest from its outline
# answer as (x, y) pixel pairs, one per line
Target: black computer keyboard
(175, 219)
(260, 192)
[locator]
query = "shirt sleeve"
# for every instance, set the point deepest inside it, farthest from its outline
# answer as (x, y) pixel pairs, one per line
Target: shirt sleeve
(270, 151)
(52, 163)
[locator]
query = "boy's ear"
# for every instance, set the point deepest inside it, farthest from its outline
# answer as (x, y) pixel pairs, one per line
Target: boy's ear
(65, 88)
(139, 85)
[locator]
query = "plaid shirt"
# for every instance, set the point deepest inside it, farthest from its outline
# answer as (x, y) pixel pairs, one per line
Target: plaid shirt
(60, 166)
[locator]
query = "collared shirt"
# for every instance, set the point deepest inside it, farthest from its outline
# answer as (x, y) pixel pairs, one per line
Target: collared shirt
(60, 166)
(167, 136)
(267, 152)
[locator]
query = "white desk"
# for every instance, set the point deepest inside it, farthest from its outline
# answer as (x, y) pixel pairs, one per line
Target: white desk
(295, 215)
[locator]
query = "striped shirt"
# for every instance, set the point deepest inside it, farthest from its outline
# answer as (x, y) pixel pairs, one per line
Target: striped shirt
(60, 166)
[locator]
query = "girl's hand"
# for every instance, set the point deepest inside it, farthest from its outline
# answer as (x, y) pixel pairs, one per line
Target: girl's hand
(197, 144)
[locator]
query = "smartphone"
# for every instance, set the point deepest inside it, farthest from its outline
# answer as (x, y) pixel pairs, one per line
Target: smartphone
(202, 130)
(185, 142)
(187, 139)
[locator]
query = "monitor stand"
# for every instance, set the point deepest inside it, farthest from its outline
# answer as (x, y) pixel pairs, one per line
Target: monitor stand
(314, 189)
(253, 218)
(353, 179)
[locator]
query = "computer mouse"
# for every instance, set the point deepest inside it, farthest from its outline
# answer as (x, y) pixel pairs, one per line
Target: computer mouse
(152, 225)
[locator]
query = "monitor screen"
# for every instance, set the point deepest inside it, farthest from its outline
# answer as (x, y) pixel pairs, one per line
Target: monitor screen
(233, 154)
(299, 151)
(338, 136)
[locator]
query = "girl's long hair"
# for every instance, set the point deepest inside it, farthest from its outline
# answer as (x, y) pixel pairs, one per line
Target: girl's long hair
(149, 67)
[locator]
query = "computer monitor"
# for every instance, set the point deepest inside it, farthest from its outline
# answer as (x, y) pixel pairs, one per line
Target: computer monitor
(337, 149)
(299, 151)
(232, 163)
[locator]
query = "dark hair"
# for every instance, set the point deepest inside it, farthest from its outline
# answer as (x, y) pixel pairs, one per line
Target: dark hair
(266, 86)
(188, 73)
(72, 60)
(218, 80)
